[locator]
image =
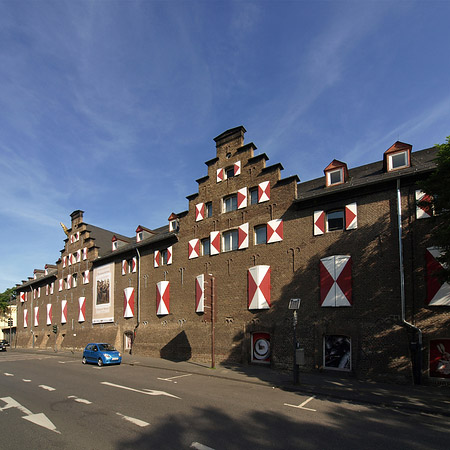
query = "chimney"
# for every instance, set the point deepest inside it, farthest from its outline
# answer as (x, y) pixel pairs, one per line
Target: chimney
(77, 218)
(229, 141)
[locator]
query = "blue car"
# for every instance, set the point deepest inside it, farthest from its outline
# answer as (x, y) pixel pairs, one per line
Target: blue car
(100, 354)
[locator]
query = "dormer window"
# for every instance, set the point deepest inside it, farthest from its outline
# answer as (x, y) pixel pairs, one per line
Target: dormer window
(140, 236)
(336, 173)
(398, 161)
(173, 222)
(115, 245)
(397, 157)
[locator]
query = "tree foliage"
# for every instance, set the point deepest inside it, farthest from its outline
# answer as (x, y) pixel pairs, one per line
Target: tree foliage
(5, 299)
(437, 185)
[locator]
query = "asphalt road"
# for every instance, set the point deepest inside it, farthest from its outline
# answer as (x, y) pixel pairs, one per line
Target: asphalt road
(55, 402)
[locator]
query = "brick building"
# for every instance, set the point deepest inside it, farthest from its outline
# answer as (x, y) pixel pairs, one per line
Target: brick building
(251, 241)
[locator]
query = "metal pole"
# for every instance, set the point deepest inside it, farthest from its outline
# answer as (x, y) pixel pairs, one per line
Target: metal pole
(295, 371)
(213, 325)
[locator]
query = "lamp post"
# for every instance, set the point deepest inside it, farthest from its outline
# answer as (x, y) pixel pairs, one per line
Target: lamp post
(294, 304)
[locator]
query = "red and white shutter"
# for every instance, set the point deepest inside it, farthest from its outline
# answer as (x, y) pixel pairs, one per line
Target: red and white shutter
(237, 168)
(274, 231)
(85, 252)
(22, 297)
(199, 212)
(81, 309)
(351, 216)
(264, 191)
(52, 287)
(39, 292)
(438, 293)
(63, 311)
(128, 304)
(64, 261)
(424, 210)
(69, 281)
(259, 287)
(36, 316)
(169, 255)
(46, 289)
(242, 198)
(25, 318)
(243, 236)
(134, 264)
(214, 239)
(49, 313)
(124, 266)
(200, 294)
(60, 288)
(162, 298)
(69, 259)
(156, 258)
(220, 175)
(336, 281)
(194, 248)
(319, 222)
(72, 238)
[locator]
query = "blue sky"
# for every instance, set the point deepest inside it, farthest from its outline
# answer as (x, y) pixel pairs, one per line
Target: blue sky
(111, 107)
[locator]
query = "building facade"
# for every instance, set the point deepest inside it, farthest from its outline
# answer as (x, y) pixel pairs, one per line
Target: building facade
(353, 249)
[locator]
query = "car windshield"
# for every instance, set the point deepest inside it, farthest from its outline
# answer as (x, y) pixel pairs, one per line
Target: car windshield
(106, 347)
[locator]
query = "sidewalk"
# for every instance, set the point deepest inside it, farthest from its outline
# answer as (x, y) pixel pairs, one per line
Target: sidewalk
(422, 399)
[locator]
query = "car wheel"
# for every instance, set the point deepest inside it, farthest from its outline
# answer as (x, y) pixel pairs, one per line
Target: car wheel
(83, 360)
(100, 362)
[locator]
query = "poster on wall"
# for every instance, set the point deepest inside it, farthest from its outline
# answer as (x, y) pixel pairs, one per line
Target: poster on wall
(103, 298)
(261, 348)
(337, 352)
(440, 358)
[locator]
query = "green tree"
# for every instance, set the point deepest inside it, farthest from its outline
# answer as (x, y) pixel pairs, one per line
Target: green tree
(5, 299)
(437, 185)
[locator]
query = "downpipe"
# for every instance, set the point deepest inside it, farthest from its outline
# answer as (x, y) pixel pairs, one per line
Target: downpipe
(416, 346)
(138, 299)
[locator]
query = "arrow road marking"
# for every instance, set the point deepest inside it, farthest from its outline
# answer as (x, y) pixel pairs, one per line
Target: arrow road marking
(172, 378)
(199, 446)
(138, 422)
(301, 406)
(145, 391)
(39, 419)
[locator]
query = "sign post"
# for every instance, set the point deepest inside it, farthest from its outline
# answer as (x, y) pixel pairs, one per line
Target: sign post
(294, 304)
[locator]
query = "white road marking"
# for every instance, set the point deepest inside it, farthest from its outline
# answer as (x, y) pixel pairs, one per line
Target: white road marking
(145, 391)
(26, 381)
(80, 400)
(39, 419)
(8, 374)
(199, 446)
(173, 378)
(301, 406)
(138, 422)
(47, 388)
(68, 362)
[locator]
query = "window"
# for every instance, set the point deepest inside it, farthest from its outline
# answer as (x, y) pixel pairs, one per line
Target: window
(230, 203)
(260, 234)
(140, 236)
(335, 177)
(205, 247)
(74, 280)
(164, 256)
(253, 196)
(335, 220)
(398, 160)
(230, 240)
(208, 209)
(337, 352)
(229, 172)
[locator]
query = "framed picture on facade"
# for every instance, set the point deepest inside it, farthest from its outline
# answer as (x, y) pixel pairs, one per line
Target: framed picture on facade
(337, 352)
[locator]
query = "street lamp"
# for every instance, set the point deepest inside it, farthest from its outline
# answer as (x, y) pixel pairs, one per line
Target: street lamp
(294, 304)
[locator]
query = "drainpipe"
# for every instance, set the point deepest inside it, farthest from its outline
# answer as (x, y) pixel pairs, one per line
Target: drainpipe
(416, 347)
(138, 298)
(32, 313)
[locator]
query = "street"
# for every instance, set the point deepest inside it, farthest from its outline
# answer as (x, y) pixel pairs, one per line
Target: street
(55, 402)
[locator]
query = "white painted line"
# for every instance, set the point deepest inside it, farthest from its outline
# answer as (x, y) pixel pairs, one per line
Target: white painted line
(8, 374)
(145, 391)
(68, 362)
(173, 378)
(42, 420)
(80, 400)
(301, 406)
(138, 422)
(47, 388)
(199, 446)
(26, 381)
